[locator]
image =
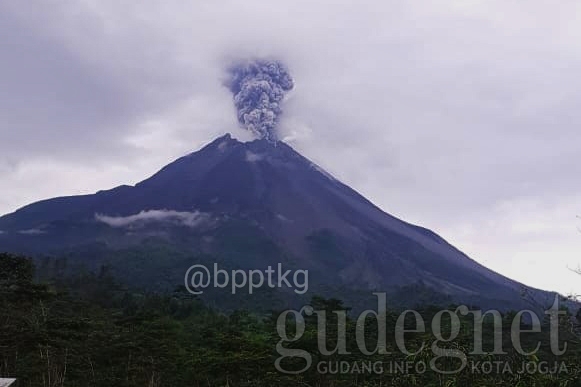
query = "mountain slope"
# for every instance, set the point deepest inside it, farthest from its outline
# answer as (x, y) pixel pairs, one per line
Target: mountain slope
(250, 205)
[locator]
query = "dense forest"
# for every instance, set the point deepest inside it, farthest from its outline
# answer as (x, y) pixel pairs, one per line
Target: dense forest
(90, 330)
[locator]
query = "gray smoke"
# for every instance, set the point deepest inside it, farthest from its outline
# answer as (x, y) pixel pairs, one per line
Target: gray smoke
(259, 87)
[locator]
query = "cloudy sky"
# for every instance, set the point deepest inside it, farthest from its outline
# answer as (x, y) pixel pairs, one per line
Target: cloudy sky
(460, 115)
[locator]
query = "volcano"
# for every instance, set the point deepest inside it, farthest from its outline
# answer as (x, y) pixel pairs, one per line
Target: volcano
(248, 205)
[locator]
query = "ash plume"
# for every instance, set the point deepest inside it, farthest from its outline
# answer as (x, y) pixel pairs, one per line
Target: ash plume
(259, 87)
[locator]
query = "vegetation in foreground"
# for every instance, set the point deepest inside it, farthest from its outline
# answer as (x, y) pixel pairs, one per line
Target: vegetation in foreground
(90, 331)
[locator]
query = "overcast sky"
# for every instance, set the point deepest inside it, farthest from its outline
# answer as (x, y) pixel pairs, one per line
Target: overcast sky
(461, 116)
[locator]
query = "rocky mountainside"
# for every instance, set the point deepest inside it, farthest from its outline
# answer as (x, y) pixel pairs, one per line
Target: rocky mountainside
(247, 206)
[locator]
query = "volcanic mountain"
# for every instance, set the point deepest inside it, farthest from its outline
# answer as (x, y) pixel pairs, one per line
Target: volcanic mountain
(248, 205)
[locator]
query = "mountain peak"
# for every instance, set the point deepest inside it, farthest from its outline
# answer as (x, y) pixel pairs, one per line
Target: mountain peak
(219, 143)
(267, 196)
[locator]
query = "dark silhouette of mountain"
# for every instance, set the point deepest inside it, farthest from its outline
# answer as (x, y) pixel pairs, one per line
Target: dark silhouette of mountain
(247, 206)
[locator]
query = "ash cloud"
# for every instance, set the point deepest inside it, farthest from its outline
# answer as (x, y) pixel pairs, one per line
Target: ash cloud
(259, 87)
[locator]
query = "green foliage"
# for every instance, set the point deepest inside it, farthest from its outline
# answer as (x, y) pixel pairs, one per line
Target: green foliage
(90, 331)
(15, 269)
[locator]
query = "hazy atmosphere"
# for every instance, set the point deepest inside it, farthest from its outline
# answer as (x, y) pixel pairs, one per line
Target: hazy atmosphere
(460, 116)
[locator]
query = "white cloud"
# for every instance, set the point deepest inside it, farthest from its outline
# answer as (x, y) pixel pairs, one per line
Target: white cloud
(189, 219)
(32, 231)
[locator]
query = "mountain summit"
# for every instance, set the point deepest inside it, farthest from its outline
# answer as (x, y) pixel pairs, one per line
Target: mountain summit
(247, 206)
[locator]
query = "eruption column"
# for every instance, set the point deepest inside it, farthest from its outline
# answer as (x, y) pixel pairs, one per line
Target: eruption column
(259, 88)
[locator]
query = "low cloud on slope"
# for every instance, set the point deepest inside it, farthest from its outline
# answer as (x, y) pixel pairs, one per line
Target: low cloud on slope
(189, 219)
